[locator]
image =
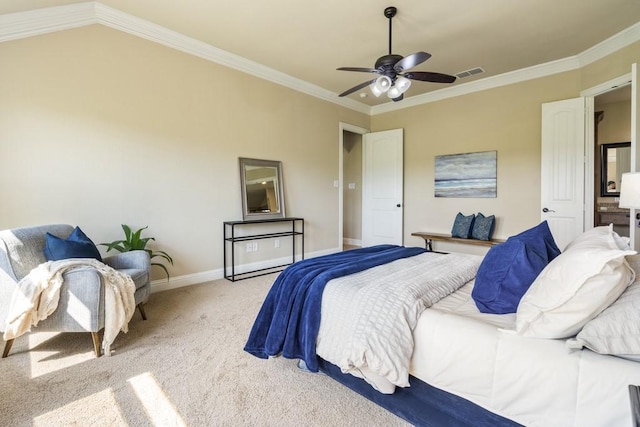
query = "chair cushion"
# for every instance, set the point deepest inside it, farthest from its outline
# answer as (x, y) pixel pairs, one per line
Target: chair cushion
(140, 277)
(77, 245)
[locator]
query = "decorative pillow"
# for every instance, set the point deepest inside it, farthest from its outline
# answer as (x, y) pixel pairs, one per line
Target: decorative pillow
(483, 227)
(601, 235)
(462, 226)
(508, 269)
(617, 329)
(77, 245)
(575, 287)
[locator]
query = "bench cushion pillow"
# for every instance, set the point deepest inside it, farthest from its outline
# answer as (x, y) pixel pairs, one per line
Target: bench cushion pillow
(462, 226)
(483, 227)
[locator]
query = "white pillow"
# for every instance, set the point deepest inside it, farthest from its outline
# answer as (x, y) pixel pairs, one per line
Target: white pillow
(617, 329)
(575, 287)
(600, 235)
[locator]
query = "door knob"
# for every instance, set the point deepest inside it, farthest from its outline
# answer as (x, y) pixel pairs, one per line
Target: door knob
(545, 210)
(398, 205)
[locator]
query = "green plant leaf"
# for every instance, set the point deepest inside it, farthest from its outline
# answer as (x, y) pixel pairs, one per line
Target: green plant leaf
(162, 267)
(117, 245)
(134, 241)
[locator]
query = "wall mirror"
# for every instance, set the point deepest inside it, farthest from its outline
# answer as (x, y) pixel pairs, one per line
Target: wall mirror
(615, 159)
(262, 189)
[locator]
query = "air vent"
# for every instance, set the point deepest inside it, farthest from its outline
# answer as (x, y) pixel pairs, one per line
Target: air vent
(469, 73)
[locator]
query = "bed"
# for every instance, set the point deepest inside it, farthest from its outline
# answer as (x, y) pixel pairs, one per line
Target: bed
(539, 365)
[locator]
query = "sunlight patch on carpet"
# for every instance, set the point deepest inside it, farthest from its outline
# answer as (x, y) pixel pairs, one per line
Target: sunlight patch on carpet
(158, 407)
(104, 411)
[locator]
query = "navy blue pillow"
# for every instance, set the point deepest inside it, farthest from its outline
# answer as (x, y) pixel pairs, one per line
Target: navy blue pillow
(509, 269)
(462, 226)
(483, 227)
(77, 245)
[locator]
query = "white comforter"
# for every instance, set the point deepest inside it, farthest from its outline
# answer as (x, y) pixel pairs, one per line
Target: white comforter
(368, 318)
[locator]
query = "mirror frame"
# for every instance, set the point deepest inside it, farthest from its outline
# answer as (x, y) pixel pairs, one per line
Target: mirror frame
(604, 167)
(248, 216)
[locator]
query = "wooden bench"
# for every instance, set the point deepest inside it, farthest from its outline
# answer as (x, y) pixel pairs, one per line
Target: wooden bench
(429, 238)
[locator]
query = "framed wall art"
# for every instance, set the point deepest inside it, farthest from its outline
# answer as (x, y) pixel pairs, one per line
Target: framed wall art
(466, 175)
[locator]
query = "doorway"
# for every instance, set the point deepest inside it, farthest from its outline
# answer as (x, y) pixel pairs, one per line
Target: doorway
(352, 190)
(612, 125)
(349, 172)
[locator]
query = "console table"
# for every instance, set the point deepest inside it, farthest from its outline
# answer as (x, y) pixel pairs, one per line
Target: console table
(430, 237)
(231, 238)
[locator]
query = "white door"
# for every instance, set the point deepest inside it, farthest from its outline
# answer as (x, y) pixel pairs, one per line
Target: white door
(382, 187)
(563, 168)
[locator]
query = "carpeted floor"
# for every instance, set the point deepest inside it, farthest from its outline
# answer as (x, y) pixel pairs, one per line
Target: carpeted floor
(184, 366)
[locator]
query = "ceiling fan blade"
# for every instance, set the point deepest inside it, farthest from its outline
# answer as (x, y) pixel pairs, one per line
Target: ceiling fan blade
(427, 76)
(357, 88)
(411, 61)
(360, 69)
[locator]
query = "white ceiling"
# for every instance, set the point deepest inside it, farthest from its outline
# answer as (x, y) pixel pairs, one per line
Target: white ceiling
(308, 40)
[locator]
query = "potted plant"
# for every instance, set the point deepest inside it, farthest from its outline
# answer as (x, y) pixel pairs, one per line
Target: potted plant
(134, 241)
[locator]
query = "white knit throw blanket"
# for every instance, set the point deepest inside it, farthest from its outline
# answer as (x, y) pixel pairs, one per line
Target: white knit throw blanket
(38, 293)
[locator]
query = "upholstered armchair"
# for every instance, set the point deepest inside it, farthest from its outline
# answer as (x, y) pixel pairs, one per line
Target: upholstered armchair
(81, 307)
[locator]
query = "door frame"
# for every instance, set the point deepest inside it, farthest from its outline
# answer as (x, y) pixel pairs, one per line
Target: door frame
(342, 127)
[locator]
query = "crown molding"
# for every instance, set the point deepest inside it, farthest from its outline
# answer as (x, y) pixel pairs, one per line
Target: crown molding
(133, 25)
(614, 43)
(14, 26)
(20, 25)
(517, 76)
(41, 21)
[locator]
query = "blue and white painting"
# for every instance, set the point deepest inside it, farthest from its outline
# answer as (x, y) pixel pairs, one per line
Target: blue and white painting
(466, 175)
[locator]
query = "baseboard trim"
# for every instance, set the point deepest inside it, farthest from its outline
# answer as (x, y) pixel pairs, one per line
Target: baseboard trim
(351, 242)
(218, 273)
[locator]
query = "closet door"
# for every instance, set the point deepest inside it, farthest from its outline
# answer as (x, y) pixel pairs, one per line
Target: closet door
(382, 188)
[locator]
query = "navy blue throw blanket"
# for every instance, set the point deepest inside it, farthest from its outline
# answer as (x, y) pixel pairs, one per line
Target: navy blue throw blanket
(289, 319)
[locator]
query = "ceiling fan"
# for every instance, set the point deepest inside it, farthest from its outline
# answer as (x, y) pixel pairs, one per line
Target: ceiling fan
(394, 78)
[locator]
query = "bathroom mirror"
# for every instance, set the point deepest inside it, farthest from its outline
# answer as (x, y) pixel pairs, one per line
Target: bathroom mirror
(615, 159)
(262, 189)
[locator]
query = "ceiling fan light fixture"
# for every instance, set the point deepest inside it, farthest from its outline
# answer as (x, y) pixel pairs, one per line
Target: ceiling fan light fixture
(394, 92)
(392, 68)
(403, 84)
(381, 85)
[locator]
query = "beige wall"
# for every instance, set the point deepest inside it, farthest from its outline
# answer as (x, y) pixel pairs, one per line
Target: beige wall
(99, 128)
(506, 119)
(616, 124)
